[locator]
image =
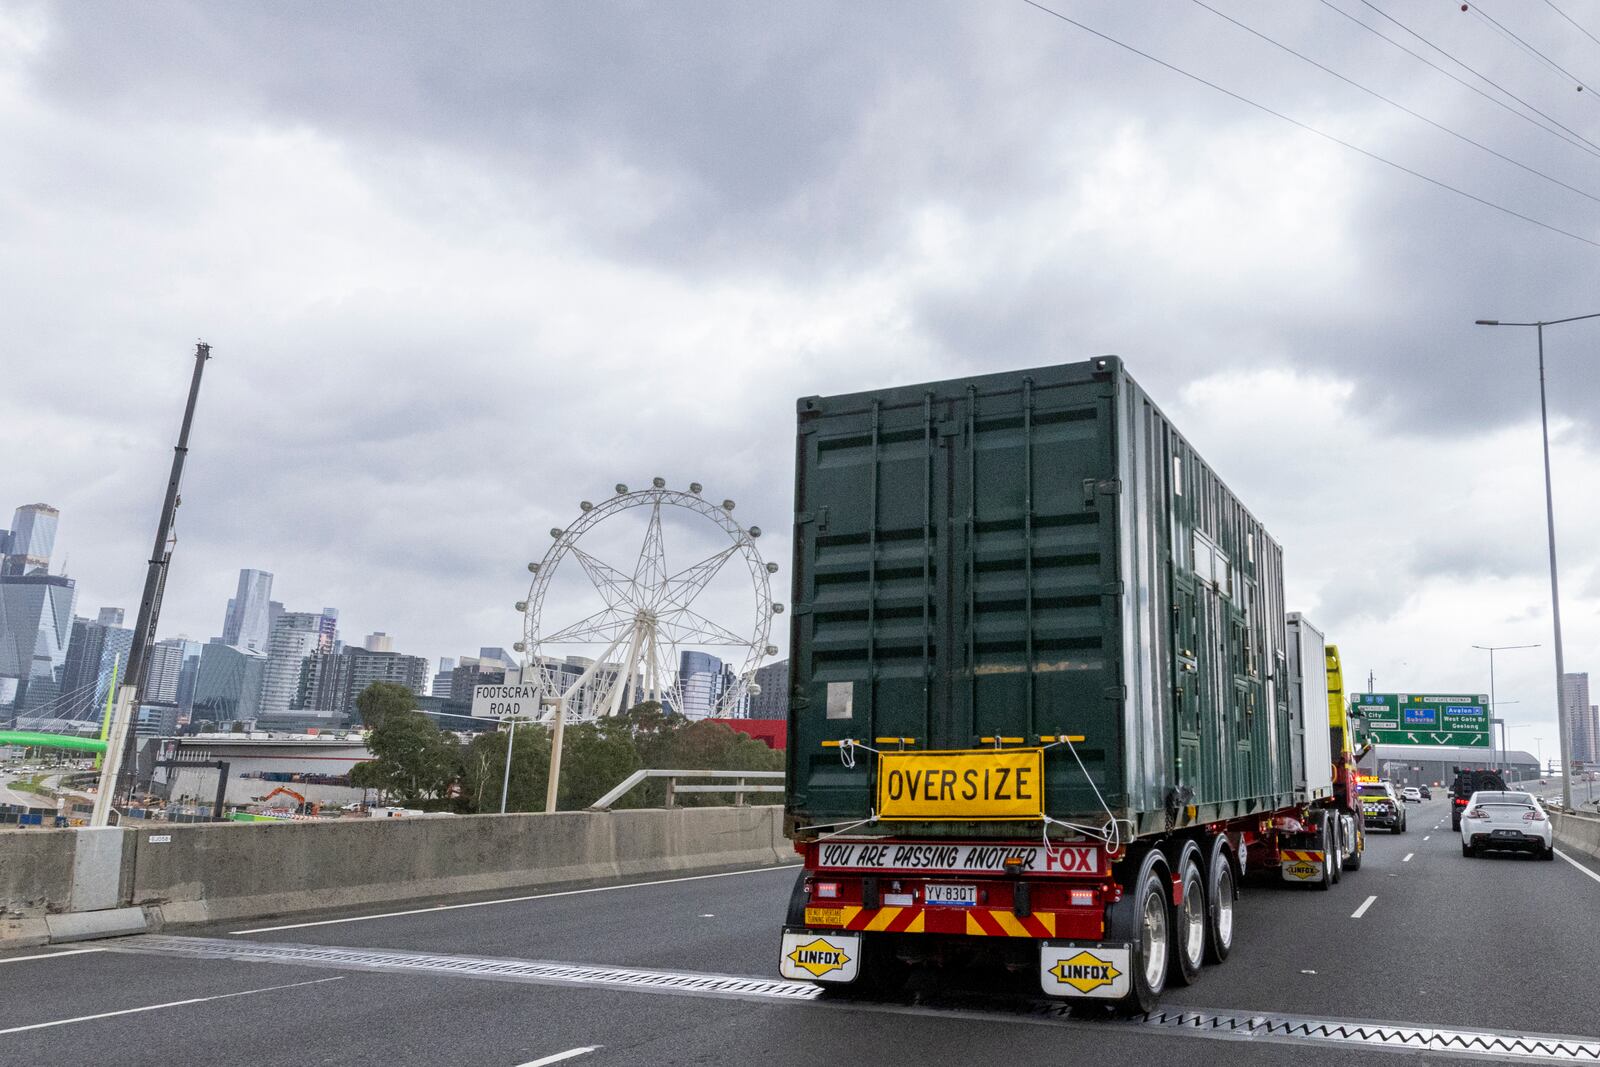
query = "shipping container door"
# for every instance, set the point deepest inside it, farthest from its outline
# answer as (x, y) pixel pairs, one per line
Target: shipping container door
(1033, 611)
(871, 512)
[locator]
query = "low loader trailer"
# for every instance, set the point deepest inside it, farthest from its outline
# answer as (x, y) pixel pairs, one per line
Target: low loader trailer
(1046, 706)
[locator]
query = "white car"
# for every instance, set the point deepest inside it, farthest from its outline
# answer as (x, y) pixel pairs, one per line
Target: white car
(1506, 820)
(1411, 795)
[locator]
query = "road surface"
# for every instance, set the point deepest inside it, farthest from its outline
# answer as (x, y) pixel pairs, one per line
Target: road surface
(681, 971)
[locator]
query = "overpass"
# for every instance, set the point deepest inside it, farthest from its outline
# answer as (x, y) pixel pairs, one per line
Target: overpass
(649, 937)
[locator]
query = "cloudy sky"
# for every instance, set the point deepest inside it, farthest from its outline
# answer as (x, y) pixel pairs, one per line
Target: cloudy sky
(463, 265)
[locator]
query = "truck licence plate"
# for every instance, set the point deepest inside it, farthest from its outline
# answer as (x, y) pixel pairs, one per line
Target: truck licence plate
(960, 895)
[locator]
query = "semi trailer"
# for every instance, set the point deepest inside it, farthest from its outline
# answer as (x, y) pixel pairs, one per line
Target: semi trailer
(1047, 708)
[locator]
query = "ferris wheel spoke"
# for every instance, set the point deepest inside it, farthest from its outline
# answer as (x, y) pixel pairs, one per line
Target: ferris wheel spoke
(650, 573)
(612, 585)
(605, 625)
(685, 627)
(682, 588)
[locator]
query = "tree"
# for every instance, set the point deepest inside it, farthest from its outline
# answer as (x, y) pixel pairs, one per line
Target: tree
(382, 699)
(411, 760)
(484, 768)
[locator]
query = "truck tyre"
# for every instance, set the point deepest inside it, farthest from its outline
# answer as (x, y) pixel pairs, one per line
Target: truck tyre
(1356, 849)
(1325, 842)
(1189, 919)
(1336, 833)
(796, 915)
(1221, 891)
(1455, 821)
(1141, 918)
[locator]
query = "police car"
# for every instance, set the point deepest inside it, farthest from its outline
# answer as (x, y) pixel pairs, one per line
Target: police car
(1379, 805)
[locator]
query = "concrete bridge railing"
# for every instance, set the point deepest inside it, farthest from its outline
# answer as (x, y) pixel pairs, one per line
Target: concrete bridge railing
(58, 885)
(1577, 833)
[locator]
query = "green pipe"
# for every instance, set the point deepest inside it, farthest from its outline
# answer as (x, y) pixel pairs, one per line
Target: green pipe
(29, 737)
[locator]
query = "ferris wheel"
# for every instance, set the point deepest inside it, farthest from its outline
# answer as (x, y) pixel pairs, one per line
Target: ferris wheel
(647, 614)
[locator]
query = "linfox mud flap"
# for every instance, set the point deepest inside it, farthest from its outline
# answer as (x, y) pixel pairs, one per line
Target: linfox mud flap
(1301, 865)
(830, 956)
(1097, 971)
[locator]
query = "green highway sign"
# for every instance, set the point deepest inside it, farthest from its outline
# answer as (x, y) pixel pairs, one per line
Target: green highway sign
(1423, 718)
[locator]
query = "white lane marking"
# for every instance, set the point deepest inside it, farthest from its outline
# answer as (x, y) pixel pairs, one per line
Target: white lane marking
(1408, 857)
(511, 900)
(1427, 837)
(1365, 904)
(50, 955)
(571, 1053)
(1578, 865)
(168, 1004)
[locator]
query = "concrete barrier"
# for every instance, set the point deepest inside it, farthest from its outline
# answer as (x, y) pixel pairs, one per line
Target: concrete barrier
(1577, 833)
(52, 872)
(225, 871)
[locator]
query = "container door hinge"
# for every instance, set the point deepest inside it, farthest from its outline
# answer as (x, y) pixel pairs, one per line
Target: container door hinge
(1093, 487)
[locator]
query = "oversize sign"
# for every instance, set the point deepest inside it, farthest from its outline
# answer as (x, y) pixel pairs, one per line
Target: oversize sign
(955, 858)
(963, 786)
(504, 701)
(1423, 718)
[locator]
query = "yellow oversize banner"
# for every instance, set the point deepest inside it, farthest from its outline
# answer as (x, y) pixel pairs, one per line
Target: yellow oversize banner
(983, 784)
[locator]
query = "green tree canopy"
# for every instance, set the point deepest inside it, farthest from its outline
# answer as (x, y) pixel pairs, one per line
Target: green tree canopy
(381, 699)
(411, 760)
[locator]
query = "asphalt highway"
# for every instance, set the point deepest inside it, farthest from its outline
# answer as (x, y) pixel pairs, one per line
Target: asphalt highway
(1420, 936)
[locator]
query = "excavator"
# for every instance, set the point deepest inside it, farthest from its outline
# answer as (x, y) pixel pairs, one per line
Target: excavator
(303, 807)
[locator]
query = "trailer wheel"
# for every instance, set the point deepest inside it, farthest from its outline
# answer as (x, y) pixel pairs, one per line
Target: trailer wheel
(1141, 917)
(1189, 919)
(1221, 892)
(1336, 852)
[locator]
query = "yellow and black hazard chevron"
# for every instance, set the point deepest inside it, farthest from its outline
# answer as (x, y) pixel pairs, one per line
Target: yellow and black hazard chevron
(1290, 855)
(916, 919)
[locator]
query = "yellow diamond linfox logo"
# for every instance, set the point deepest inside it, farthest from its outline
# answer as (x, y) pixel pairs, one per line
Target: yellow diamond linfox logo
(818, 957)
(1085, 972)
(1304, 869)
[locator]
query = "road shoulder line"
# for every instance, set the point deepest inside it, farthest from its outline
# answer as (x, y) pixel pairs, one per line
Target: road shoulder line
(511, 900)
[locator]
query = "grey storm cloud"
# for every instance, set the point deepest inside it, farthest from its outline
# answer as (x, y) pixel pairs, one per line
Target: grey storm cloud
(467, 264)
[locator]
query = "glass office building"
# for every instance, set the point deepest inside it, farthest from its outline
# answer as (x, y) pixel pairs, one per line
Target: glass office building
(35, 632)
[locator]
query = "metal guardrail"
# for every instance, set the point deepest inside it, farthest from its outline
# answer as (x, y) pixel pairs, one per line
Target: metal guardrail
(739, 787)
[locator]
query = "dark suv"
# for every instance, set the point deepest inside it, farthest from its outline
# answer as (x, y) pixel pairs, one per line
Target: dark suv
(1466, 784)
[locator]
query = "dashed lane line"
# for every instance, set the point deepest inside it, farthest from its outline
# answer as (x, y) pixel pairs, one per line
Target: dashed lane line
(511, 900)
(1427, 837)
(1204, 1023)
(561, 1057)
(1365, 904)
(168, 1004)
(1408, 857)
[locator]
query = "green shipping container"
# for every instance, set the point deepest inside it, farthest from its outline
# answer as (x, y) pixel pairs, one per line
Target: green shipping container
(1026, 554)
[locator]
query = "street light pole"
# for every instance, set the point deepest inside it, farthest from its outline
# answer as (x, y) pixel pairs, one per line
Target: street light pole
(1492, 649)
(1550, 526)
